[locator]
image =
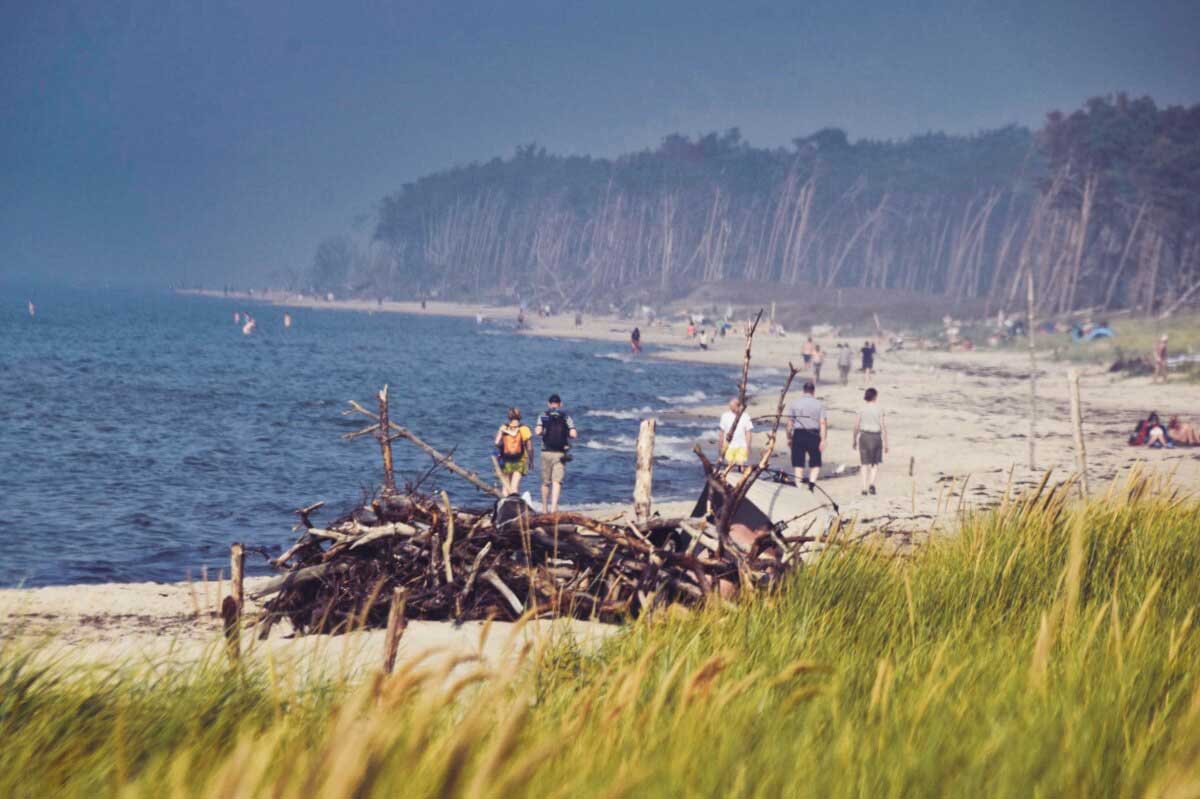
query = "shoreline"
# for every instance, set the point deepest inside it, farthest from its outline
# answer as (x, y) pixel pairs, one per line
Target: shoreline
(958, 424)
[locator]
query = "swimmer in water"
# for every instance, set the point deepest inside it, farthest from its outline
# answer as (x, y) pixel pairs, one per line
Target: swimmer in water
(248, 328)
(237, 318)
(287, 319)
(32, 309)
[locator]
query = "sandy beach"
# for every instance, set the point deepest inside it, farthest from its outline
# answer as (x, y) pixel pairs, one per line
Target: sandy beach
(958, 425)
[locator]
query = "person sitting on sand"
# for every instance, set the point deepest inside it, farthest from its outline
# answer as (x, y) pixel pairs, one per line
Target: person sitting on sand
(1184, 433)
(514, 444)
(734, 443)
(1151, 433)
(870, 439)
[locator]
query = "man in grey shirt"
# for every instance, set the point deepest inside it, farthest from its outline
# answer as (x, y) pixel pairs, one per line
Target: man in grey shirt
(806, 427)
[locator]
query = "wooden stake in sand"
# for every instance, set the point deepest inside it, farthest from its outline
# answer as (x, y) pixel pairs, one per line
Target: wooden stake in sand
(1077, 429)
(395, 628)
(642, 485)
(1032, 370)
(237, 566)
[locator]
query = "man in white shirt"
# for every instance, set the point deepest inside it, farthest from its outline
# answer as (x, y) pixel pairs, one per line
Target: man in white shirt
(735, 442)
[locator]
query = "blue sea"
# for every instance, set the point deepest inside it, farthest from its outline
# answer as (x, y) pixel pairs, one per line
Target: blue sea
(141, 432)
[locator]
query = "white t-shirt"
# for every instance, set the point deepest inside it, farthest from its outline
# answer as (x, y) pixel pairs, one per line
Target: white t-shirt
(744, 426)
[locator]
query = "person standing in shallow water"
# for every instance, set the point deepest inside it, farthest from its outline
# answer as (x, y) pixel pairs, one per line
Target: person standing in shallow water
(514, 444)
(635, 341)
(870, 439)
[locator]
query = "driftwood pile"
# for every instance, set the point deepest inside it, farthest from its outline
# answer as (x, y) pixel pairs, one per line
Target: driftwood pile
(452, 564)
(407, 554)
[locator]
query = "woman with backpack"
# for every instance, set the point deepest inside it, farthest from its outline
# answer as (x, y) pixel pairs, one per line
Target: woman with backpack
(515, 447)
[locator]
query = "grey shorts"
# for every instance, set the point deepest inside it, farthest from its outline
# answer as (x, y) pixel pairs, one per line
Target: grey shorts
(870, 448)
(553, 468)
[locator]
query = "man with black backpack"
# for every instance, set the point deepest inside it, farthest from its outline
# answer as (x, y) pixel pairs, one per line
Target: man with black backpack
(557, 429)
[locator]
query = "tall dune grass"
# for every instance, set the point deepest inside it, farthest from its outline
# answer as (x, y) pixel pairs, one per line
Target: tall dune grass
(1050, 649)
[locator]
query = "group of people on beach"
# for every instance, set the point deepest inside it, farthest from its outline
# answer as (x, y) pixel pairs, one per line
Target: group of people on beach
(814, 359)
(808, 430)
(514, 450)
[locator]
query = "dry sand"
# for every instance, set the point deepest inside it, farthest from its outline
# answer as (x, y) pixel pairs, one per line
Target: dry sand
(960, 420)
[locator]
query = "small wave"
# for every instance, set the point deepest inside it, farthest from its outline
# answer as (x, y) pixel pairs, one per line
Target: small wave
(636, 413)
(624, 357)
(692, 398)
(676, 448)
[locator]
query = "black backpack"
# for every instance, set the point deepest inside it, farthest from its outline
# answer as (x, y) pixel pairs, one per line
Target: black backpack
(556, 434)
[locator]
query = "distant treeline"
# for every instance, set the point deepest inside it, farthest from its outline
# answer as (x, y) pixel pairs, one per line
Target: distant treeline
(1102, 205)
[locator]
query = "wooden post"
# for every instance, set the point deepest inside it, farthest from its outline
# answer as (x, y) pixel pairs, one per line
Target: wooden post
(1077, 429)
(237, 565)
(1032, 370)
(395, 628)
(385, 443)
(645, 471)
(230, 617)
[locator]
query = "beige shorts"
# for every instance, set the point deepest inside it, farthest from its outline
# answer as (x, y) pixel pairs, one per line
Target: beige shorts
(553, 467)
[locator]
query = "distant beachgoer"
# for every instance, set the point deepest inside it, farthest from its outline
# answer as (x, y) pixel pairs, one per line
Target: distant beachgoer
(479, 319)
(237, 318)
(807, 428)
(868, 359)
(845, 360)
(635, 341)
(818, 358)
(248, 328)
(691, 329)
(521, 319)
(734, 444)
(870, 439)
(32, 309)
(1160, 360)
(422, 303)
(578, 319)
(806, 352)
(1156, 433)
(514, 448)
(287, 319)
(557, 429)
(1183, 432)
(703, 339)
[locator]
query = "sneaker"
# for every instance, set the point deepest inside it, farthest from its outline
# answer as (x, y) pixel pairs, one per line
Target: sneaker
(872, 489)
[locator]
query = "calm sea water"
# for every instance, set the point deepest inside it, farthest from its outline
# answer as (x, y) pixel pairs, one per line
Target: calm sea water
(141, 433)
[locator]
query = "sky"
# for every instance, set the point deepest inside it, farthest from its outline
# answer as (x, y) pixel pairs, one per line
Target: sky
(166, 142)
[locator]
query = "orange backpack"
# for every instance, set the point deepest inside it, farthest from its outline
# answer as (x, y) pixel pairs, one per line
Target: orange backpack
(511, 444)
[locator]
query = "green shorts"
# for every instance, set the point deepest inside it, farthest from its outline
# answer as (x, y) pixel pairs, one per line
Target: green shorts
(515, 467)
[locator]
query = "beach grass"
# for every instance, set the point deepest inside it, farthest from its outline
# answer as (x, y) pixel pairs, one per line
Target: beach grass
(1049, 648)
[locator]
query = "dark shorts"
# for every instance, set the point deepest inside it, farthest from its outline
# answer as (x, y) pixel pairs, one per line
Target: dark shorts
(807, 358)
(870, 448)
(806, 442)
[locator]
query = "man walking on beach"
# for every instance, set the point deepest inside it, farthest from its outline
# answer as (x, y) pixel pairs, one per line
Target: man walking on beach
(557, 429)
(1160, 360)
(844, 361)
(807, 428)
(735, 442)
(806, 352)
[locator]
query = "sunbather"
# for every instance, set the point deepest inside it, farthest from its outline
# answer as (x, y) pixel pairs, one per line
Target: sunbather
(1183, 432)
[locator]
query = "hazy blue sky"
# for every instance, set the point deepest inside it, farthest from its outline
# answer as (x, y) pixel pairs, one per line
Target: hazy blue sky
(213, 141)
